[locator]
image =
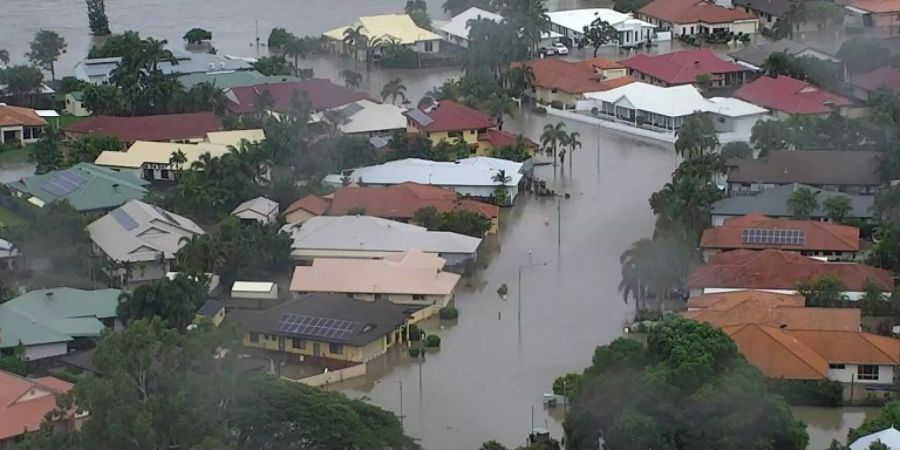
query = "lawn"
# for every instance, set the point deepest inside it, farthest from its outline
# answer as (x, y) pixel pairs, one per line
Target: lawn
(19, 155)
(9, 218)
(67, 119)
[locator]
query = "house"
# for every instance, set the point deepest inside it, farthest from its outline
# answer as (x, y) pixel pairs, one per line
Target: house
(398, 28)
(325, 326)
(865, 85)
(305, 208)
(767, 11)
(889, 437)
(185, 128)
(630, 31)
(367, 118)
(85, 186)
(75, 104)
(748, 307)
(152, 161)
(53, 322)
(557, 81)
(398, 202)
(259, 209)
(758, 232)
(664, 109)
(9, 255)
(683, 67)
(879, 15)
(372, 237)
(773, 202)
(692, 17)
(456, 30)
(786, 96)
(449, 121)
(408, 278)
(19, 126)
(141, 240)
(228, 80)
(321, 94)
(854, 172)
(754, 56)
(779, 271)
(477, 177)
(212, 310)
(98, 70)
(24, 402)
(726, 301)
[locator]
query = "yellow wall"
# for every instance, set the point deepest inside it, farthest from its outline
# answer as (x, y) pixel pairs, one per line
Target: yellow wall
(349, 353)
(216, 320)
(407, 299)
(298, 216)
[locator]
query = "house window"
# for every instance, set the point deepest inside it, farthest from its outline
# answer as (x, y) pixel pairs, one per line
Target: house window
(455, 134)
(254, 338)
(336, 349)
(836, 366)
(418, 297)
(298, 343)
(429, 46)
(26, 133)
(867, 372)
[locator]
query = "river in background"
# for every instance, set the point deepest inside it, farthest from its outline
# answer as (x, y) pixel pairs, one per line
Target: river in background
(487, 380)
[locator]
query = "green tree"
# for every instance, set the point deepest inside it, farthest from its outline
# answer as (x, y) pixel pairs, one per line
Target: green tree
(88, 148)
(464, 221)
(863, 54)
(838, 208)
(696, 136)
(273, 66)
(768, 135)
(683, 206)
(104, 99)
(568, 385)
(654, 267)
(889, 416)
(4, 56)
(45, 50)
(778, 63)
(737, 150)
(803, 203)
(22, 82)
(15, 363)
(597, 34)
(418, 11)
(197, 35)
(823, 292)
(279, 37)
(47, 154)
(394, 89)
(552, 137)
(351, 79)
(703, 82)
(454, 7)
(886, 251)
(97, 19)
(627, 6)
(175, 301)
(492, 445)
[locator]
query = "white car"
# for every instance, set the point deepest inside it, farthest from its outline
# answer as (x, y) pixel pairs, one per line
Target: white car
(560, 48)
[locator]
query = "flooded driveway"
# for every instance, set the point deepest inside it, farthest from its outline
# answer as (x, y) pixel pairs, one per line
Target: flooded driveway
(825, 424)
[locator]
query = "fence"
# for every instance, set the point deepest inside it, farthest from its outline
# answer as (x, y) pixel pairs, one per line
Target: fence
(332, 376)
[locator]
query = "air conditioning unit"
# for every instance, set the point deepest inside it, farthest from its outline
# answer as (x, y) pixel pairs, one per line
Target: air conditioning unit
(154, 166)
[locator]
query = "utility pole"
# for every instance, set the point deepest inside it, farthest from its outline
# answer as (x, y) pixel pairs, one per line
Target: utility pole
(559, 225)
(257, 39)
(401, 402)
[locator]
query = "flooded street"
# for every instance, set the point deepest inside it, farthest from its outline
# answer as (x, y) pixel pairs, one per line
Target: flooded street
(825, 424)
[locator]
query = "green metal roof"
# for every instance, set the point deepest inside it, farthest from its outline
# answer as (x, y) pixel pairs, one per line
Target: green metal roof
(228, 80)
(87, 187)
(55, 315)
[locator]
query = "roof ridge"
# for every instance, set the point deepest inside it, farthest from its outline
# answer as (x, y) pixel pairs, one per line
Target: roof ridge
(768, 331)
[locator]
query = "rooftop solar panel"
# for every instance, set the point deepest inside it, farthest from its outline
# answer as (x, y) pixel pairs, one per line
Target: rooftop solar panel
(773, 236)
(420, 117)
(124, 219)
(317, 326)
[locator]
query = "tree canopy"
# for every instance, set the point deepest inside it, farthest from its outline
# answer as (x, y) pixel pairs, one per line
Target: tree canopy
(175, 301)
(45, 50)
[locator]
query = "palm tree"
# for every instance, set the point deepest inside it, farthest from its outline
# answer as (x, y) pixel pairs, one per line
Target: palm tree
(803, 202)
(838, 207)
(264, 102)
(501, 178)
(352, 39)
(518, 79)
(573, 142)
(4, 57)
(351, 79)
(552, 137)
(696, 136)
(178, 159)
(501, 195)
(297, 48)
(335, 118)
(497, 106)
(394, 89)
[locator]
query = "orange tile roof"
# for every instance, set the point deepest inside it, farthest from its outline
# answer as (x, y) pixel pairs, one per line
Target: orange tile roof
(16, 115)
(851, 347)
(723, 301)
(788, 317)
(500, 138)
(401, 201)
(692, 11)
(451, 116)
(311, 204)
(24, 402)
(819, 235)
(778, 354)
(775, 269)
(574, 77)
(877, 6)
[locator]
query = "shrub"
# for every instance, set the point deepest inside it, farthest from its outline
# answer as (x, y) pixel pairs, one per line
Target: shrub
(808, 392)
(415, 333)
(448, 313)
(414, 352)
(540, 110)
(432, 341)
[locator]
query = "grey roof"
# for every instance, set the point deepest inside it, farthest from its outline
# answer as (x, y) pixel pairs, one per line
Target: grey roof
(138, 231)
(55, 315)
(375, 319)
(210, 308)
(420, 117)
(259, 205)
(85, 186)
(816, 167)
(773, 203)
(757, 54)
(777, 8)
(379, 142)
(188, 63)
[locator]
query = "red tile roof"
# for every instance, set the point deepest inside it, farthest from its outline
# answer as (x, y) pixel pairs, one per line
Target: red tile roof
(819, 235)
(775, 269)
(164, 127)
(693, 11)
(322, 94)
(789, 317)
(311, 204)
(16, 115)
(778, 354)
(451, 116)
(24, 402)
(724, 301)
(681, 67)
(850, 347)
(500, 138)
(401, 201)
(574, 77)
(881, 78)
(877, 6)
(790, 95)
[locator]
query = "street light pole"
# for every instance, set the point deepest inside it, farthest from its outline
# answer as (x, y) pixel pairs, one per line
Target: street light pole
(401, 402)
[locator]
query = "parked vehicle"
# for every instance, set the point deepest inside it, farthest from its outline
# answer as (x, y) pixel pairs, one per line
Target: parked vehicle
(560, 48)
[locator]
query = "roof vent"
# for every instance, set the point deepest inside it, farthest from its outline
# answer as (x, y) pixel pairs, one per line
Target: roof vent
(49, 294)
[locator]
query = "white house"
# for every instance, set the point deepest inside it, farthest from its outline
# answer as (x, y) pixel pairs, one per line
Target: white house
(75, 104)
(367, 118)
(476, 176)
(456, 30)
(571, 24)
(889, 437)
(20, 125)
(259, 209)
(663, 109)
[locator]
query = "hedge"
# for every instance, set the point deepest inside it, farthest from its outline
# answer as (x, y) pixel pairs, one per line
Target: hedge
(808, 392)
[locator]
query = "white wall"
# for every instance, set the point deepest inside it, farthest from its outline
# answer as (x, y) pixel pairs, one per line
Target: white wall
(851, 295)
(435, 46)
(33, 352)
(849, 374)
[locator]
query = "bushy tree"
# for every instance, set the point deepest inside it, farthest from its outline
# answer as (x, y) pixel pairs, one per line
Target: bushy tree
(737, 150)
(197, 36)
(826, 291)
(88, 148)
(863, 54)
(597, 34)
(696, 136)
(45, 50)
(837, 207)
(22, 82)
(104, 99)
(886, 251)
(47, 154)
(803, 203)
(273, 65)
(175, 301)
(97, 19)
(458, 220)
(769, 135)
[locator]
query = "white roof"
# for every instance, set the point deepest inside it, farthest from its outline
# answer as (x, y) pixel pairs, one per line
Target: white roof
(138, 231)
(476, 171)
(459, 24)
(889, 437)
(373, 234)
(577, 19)
(7, 249)
(234, 137)
(675, 101)
(46, 113)
(259, 205)
(158, 153)
(253, 286)
(367, 116)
